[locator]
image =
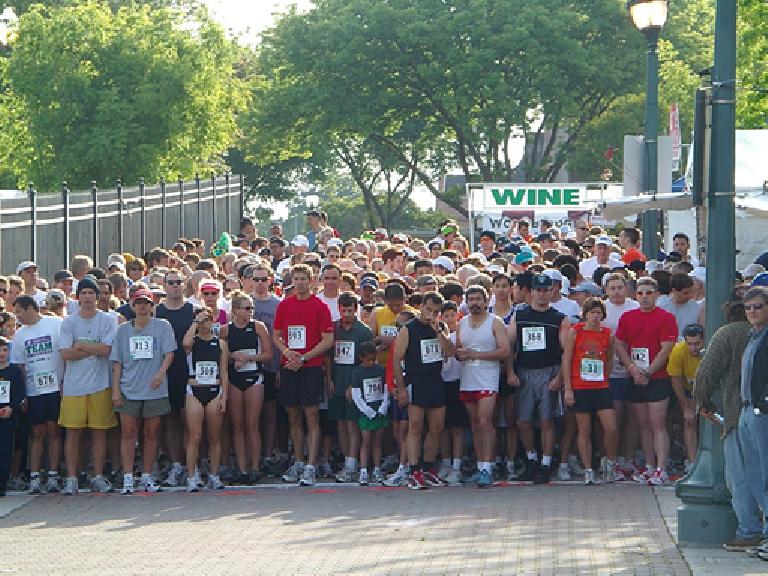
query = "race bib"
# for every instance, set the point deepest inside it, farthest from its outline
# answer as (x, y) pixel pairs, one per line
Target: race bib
(5, 392)
(373, 389)
(641, 357)
(141, 347)
(46, 382)
(215, 329)
(297, 337)
(249, 366)
(472, 361)
(388, 330)
(345, 352)
(592, 370)
(534, 338)
(430, 351)
(206, 372)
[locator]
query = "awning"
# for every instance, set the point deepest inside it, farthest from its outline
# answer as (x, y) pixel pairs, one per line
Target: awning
(624, 207)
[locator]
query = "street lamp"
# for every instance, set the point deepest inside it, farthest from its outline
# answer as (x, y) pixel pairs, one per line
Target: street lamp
(649, 16)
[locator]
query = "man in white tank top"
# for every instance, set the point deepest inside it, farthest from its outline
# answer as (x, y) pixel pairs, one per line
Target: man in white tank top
(481, 344)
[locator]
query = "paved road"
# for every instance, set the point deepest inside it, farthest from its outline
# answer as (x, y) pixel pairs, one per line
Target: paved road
(506, 530)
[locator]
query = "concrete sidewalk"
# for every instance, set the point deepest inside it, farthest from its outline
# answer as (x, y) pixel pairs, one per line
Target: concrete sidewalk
(706, 561)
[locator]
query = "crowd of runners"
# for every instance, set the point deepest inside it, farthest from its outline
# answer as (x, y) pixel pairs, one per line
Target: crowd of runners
(559, 353)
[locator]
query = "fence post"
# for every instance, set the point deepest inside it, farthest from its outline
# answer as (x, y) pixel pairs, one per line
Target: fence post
(162, 212)
(94, 201)
(199, 205)
(228, 202)
(120, 231)
(242, 197)
(213, 204)
(33, 208)
(65, 199)
(181, 207)
(143, 218)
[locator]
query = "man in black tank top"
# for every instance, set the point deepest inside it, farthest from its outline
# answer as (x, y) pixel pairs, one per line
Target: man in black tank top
(538, 334)
(422, 344)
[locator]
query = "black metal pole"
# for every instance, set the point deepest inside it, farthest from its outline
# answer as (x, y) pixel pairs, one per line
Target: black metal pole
(33, 209)
(143, 218)
(120, 231)
(181, 207)
(213, 207)
(228, 202)
(199, 211)
(65, 200)
(95, 224)
(162, 212)
(242, 198)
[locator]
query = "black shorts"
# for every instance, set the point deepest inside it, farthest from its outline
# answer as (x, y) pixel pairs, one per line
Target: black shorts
(305, 387)
(428, 392)
(177, 390)
(22, 432)
(657, 390)
(590, 401)
(204, 393)
(270, 390)
(242, 381)
(455, 412)
(44, 408)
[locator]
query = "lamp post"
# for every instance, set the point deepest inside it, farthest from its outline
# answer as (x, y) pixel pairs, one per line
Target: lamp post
(649, 16)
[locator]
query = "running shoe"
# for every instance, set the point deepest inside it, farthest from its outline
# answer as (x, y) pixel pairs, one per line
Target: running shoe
(378, 477)
(473, 478)
(18, 483)
(431, 479)
(531, 469)
(399, 478)
(101, 485)
(345, 475)
(294, 472)
(148, 484)
(484, 479)
(175, 476)
(659, 478)
(563, 473)
(308, 477)
(254, 477)
(52, 484)
(453, 478)
(192, 485)
(543, 475)
(611, 472)
(511, 471)
(35, 486)
(70, 487)
(589, 477)
(363, 477)
(644, 476)
(445, 469)
(196, 476)
(688, 467)
(575, 466)
(754, 551)
(214, 482)
(416, 481)
(325, 470)
(739, 544)
(127, 484)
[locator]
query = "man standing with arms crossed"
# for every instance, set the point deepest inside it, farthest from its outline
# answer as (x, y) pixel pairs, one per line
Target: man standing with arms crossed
(422, 343)
(481, 343)
(303, 333)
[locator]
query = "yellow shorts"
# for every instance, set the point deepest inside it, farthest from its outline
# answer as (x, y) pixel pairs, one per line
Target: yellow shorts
(90, 411)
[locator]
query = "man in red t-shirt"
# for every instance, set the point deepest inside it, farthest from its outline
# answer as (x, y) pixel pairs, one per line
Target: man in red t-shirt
(303, 332)
(644, 339)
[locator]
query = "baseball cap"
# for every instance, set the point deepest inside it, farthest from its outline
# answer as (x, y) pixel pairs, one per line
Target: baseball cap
(210, 285)
(435, 241)
(760, 280)
(24, 265)
(553, 275)
(62, 275)
(449, 229)
(54, 297)
(87, 283)
(523, 257)
(604, 240)
(425, 280)
(488, 234)
(315, 213)
(541, 281)
(117, 264)
(156, 290)
(277, 240)
(142, 294)
(443, 261)
(588, 288)
(300, 240)
(369, 283)
(544, 236)
(381, 232)
(494, 269)
(752, 270)
(334, 242)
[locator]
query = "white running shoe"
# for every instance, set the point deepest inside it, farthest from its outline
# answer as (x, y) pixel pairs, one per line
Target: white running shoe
(294, 472)
(308, 478)
(52, 485)
(101, 485)
(363, 477)
(511, 471)
(658, 478)
(127, 484)
(378, 477)
(445, 469)
(453, 478)
(575, 466)
(175, 476)
(214, 482)
(192, 485)
(399, 478)
(563, 473)
(148, 483)
(346, 475)
(70, 486)
(35, 486)
(589, 477)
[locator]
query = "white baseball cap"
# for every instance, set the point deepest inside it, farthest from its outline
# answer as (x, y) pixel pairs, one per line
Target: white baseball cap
(604, 240)
(300, 240)
(445, 262)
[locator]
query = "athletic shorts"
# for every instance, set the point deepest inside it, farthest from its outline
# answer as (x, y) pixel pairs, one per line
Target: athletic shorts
(270, 388)
(620, 388)
(590, 401)
(455, 412)
(371, 425)
(44, 408)
(177, 390)
(428, 392)
(534, 398)
(144, 408)
(656, 390)
(204, 394)
(340, 410)
(472, 396)
(243, 381)
(94, 411)
(305, 387)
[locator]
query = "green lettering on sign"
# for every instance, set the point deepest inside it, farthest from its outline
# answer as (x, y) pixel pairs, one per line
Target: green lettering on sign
(571, 197)
(536, 196)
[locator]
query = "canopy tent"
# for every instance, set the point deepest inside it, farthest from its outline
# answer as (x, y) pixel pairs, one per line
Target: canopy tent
(625, 207)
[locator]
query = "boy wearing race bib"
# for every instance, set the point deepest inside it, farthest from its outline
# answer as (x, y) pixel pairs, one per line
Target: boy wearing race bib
(36, 351)
(141, 355)
(207, 388)
(644, 339)
(12, 394)
(587, 359)
(370, 396)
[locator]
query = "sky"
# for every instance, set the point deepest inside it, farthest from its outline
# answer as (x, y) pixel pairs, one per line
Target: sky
(248, 18)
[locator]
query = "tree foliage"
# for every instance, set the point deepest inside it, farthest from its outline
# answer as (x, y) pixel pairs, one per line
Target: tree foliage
(133, 92)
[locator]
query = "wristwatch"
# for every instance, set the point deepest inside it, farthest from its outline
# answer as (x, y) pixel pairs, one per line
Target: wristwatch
(303, 359)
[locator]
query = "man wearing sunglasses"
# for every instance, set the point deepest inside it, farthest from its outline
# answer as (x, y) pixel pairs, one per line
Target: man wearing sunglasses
(180, 314)
(644, 339)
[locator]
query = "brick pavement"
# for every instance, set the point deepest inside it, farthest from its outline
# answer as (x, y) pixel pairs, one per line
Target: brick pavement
(542, 530)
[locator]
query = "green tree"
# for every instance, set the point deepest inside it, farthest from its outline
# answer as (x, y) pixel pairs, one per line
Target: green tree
(752, 93)
(135, 92)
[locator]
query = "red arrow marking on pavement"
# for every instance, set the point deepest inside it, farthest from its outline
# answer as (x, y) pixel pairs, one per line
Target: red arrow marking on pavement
(322, 491)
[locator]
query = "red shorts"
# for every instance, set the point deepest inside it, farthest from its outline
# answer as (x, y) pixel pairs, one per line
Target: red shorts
(475, 395)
